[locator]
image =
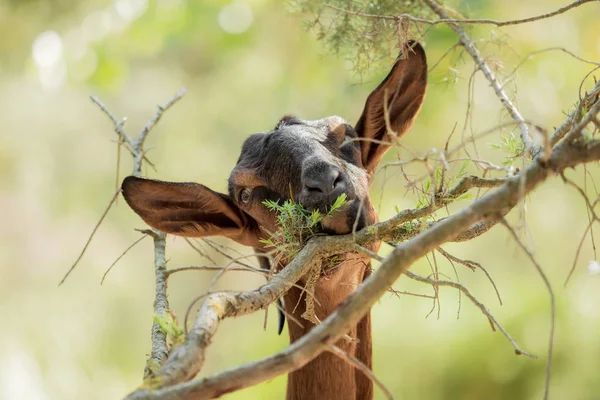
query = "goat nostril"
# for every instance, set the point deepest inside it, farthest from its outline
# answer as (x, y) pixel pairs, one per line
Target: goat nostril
(338, 179)
(315, 186)
(323, 182)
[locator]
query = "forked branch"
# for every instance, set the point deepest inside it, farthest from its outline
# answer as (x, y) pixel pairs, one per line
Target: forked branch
(159, 350)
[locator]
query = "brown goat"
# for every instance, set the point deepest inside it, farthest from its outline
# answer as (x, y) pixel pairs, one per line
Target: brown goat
(315, 162)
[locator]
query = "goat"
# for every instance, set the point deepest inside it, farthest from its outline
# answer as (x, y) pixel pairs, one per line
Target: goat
(313, 162)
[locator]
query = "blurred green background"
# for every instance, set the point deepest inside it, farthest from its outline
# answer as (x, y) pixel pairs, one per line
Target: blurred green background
(245, 64)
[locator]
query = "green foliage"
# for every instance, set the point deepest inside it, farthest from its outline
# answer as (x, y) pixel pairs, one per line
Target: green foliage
(364, 41)
(405, 230)
(152, 382)
(152, 367)
(297, 225)
(452, 76)
(442, 183)
(168, 324)
(512, 146)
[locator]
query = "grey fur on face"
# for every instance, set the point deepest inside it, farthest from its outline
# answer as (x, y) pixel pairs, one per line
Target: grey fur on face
(282, 157)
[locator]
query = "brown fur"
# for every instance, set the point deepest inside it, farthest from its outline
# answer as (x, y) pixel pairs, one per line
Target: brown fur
(328, 376)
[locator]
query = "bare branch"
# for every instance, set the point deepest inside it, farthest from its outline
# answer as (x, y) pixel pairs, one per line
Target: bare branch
(489, 74)
(475, 21)
(579, 246)
(199, 251)
(160, 351)
(593, 217)
(397, 293)
(138, 145)
(473, 266)
(494, 323)
(589, 117)
(117, 124)
(216, 268)
(218, 249)
(534, 53)
(575, 115)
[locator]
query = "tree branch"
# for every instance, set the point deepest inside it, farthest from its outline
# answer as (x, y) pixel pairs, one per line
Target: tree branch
(474, 21)
(160, 351)
(494, 323)
(469, 46)
(138, 145)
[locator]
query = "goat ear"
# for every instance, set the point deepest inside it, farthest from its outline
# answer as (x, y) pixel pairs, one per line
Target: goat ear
(404, 89)
(189, 209)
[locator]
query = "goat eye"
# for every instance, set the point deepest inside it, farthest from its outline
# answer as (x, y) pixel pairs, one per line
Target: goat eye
(245, 195)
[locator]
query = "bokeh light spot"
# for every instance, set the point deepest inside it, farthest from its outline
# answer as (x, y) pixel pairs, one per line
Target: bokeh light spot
(47, 49)
(236, 17)
(131, 9)
(96, 26)
(594, 267)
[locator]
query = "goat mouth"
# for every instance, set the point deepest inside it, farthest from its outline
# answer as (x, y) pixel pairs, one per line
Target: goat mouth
(329, 209)
(350, 217)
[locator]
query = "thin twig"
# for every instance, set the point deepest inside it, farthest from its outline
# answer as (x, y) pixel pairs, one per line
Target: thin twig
(197, 250)
(161, 110)
(579, 246)
(588, 118)
(138, 145)
(87, 243)
(575, 116)
(121, 256)
(474, 21)
(218, 249)
(493, 322)
(215, 268)
(534, 53)
(593, 217)
(472, 265)
(397, 293)
(489, 74)
(118, 126)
